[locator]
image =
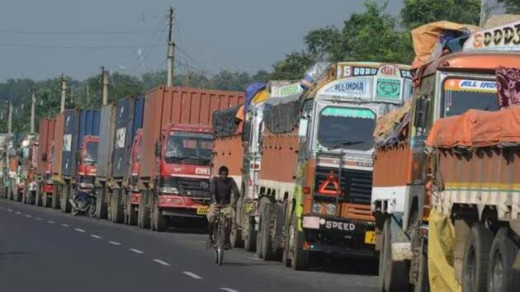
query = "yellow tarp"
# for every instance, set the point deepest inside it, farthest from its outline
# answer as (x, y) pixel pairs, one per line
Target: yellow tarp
(441, 238)
(426, 39)
(261, 96)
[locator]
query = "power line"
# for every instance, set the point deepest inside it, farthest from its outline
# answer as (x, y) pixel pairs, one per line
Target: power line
(76, 33)
(38, 46)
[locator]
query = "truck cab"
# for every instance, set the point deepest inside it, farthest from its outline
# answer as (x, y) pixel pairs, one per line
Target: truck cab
(183, 158)
(88, 154)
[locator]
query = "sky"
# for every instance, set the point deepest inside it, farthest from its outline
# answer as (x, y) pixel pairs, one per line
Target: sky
(43, 39)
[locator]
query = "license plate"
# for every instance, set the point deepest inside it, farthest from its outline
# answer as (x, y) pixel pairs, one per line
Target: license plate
(370, 237)
(202, 211)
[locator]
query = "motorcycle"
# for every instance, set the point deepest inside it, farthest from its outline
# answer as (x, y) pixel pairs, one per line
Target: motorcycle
(84, 202)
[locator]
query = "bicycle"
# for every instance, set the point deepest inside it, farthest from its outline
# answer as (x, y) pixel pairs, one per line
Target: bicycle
(219, 236)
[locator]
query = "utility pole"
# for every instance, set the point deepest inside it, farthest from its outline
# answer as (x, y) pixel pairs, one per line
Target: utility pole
(171, 46)
(33, 104)
(63, 92)
(104, 83)
(10, 118)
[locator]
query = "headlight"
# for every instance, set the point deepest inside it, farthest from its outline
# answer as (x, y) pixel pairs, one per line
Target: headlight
(169, 190)
(316, 208)
(331, 209)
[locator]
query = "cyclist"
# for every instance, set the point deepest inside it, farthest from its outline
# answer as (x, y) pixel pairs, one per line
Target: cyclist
(221, 189)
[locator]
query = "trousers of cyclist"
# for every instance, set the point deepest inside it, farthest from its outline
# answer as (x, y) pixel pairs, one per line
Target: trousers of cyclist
(224, 196)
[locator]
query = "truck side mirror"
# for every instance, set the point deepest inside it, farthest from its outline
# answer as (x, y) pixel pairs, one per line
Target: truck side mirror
(302, 127)
(157, 149)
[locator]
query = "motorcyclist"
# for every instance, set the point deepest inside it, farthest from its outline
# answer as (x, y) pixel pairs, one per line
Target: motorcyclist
(222, 188)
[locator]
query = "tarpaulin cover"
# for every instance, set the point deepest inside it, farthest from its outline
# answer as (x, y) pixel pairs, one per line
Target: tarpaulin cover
(251, 91)
(389, 128)
(225, 122)
(281, 114)
(430, 39)
(477, 128)
(441, 238)
(260, 96)
(508, 86)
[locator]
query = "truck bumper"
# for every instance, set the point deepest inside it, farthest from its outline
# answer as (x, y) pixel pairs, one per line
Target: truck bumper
(182, 207)
(339, 236)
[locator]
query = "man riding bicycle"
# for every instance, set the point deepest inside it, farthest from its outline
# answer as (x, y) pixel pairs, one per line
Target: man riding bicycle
(222, 188)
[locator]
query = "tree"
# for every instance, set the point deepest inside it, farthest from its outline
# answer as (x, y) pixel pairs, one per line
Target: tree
(511, 6)
(418, 12)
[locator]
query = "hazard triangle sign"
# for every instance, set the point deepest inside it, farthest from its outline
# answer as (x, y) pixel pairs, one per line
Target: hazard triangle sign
(330, 186)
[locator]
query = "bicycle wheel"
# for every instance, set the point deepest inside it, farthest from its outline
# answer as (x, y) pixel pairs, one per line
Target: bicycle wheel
(221, 240)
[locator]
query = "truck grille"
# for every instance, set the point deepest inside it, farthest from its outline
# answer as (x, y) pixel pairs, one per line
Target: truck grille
(193, 187)
(355, 184)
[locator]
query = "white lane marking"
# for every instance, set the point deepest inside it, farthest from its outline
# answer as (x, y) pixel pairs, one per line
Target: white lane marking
(1, 208)
(50, 222)
(95, 236)
(161, 262)
(136, 251)
(254, 258)
(228, 289)
(114, 243)
(65, 225)
(79, 230)
(38, 219)
(28, 216)
(193, 275)
(10, 210)
(18, 213)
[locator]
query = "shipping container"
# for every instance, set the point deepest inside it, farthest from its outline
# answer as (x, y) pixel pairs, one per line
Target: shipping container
(165, 105)
(58, 144)
(46, 136)
(78, 124)
(106, 141)
(129, 118)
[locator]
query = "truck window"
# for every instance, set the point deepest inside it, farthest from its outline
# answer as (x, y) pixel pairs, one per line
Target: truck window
(189, 148)
(91, 152)
(350, 128)
(460, 95)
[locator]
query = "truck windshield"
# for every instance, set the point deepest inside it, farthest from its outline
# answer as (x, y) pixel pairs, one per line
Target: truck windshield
(92, 152)
(460, 95)
(189, 148)
(349, 128)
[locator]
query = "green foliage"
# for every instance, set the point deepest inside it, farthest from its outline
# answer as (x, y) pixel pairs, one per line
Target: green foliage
(293, 66)
(418, 12)
(511, 6)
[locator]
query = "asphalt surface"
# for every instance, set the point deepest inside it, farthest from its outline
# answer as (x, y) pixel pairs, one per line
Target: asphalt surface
(44, 250)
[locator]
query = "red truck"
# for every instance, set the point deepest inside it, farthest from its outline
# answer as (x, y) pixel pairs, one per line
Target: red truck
(175, 154)
(133, 199)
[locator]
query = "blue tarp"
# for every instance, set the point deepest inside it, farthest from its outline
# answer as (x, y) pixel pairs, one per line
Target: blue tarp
(251, 91)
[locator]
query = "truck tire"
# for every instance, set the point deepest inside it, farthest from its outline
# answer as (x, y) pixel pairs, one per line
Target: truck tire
(37, 197)
(131, 213)
(115, 206)
(101, 204)
(143, 216)
(24, 195)
(158, 221)
(267, 229)
(503, 276)
(55, 199)
(235, 237)
(476, 259)
(45, 200)
(250, 239)
(65, 195)
(423, 282)
(393, 275)
(17, 195)
(300, 257)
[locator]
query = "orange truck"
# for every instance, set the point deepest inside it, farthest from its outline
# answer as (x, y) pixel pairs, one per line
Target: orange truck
(444, 87)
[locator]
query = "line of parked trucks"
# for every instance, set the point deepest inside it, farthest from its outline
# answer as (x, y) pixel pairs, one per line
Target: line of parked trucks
(313, 178)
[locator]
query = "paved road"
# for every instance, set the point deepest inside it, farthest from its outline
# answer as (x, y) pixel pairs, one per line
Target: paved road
(45, 250)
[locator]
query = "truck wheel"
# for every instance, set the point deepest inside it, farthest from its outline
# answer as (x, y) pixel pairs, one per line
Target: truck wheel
(476, 259)
(37, 197)
(65, 195)
(17, 195)
(101, 204)
(267, 228)
(55, 200)
(24, 196)
(159, 222)
(236, 237)
(115, 206)
(259, 236)
(250, 239)
(131, 213)
(300, 257)
(45, 201)
(502, 275)
(423, 282)
(143, 216)
(393, 275)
